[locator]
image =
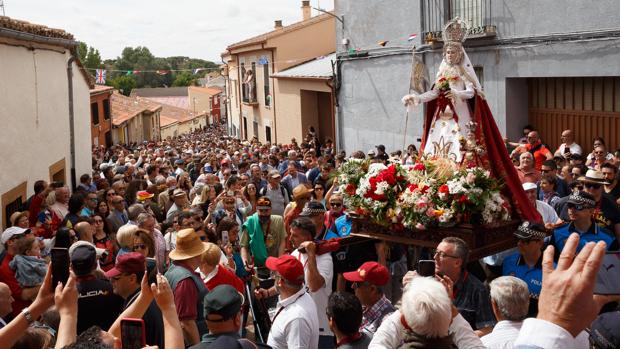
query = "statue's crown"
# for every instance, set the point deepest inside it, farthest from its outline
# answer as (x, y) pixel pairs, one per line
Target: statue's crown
(455, 31)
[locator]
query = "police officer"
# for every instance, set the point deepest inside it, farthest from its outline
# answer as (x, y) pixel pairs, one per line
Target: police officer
(527, 263)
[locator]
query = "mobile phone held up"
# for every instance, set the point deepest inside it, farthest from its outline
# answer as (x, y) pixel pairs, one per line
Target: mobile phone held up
(132, 333)
(60, 266)
(426, 267)
(608, 277)
(225, 238)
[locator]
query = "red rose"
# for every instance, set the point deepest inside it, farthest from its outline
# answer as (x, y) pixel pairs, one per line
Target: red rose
(350, 189)
(463, 199)
(425, 189)
(444, 189)
(412, 187)
(419, 167)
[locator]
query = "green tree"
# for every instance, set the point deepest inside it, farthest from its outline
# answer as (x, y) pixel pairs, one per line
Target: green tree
(82, 51)
(184, 79)
(93, 59)
(124, 84)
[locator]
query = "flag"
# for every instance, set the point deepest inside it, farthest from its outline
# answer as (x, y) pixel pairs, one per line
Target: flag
(161, 72)
(129, 72)
(412, 36)
(100, 76)
(382, 43)
(136, 72)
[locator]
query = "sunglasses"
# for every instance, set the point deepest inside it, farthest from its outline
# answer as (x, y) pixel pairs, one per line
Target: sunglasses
(335, 204)
(98, 221)
(592, 186)
(577, 207)
(139, 247)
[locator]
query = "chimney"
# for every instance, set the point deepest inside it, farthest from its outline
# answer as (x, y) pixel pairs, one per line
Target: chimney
(306, 10)
(278, 24)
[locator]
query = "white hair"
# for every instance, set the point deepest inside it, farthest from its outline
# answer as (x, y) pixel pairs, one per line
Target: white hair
(511, 296)
(125, 234)
(427, 308)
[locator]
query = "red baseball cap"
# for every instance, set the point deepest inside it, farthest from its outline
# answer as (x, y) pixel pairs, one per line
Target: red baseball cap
(371, 272)
(287, 266)
(128, 263)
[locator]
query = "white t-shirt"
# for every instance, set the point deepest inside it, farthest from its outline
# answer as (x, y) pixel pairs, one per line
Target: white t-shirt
(547, 212)
(574, 149)
(503, 335)
(297, 325)
(326, 268)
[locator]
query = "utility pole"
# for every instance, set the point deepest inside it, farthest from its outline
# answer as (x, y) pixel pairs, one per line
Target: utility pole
(2, 7)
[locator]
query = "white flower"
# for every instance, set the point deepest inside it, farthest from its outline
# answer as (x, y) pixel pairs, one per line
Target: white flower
(382, 187)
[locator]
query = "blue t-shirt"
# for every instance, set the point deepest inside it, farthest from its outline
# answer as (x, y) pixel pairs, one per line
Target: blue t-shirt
(595, 234)
(514, 265)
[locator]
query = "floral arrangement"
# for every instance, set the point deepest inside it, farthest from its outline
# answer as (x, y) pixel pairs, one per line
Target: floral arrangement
(432, 192)
(443, 83)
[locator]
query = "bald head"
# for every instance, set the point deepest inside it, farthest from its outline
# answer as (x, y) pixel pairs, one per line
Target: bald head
(6, 301)
(84, 231)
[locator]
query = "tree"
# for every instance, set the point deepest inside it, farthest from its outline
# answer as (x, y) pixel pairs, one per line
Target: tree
(93, 59)
(184, 79)
(82, 51)
(124, 84)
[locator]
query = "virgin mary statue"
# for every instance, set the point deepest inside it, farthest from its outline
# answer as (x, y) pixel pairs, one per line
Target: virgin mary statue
(459, 124)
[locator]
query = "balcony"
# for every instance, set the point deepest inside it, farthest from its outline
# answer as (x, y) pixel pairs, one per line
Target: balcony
(248, 91)
(476, 13)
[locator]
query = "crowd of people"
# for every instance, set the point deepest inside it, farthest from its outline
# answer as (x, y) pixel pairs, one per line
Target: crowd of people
(220, 243)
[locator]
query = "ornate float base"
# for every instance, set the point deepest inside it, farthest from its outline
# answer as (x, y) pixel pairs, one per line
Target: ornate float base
(483, 240)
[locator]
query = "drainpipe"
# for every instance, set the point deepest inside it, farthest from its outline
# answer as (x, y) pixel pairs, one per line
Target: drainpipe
(273, 96)
(71, 118)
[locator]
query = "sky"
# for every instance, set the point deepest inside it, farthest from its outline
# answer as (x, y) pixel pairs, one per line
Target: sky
(193, 28)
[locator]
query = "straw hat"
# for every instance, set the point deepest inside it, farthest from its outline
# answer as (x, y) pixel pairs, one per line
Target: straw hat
(593, 176)
(188, 245)
(301, 191)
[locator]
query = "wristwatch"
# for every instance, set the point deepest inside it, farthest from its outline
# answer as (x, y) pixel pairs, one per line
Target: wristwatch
(28, 316)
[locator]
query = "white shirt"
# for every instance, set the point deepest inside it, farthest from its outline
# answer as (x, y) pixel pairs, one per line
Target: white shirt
(574, 149)
(296, 326)
(326, 268)
(391, 332)
(547, 212)
(545, 334)
(503, 336)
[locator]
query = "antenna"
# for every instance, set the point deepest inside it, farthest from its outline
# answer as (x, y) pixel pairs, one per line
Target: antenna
(2, 7)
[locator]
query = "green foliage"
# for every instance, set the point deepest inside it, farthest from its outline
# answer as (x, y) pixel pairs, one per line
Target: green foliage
(184, 79)
(124, 84)
(82, 51)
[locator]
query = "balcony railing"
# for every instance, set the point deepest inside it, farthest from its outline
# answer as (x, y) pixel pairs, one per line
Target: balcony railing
(436, 13)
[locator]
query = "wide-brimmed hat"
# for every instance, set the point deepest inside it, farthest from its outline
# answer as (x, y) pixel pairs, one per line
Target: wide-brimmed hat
(301, 191)
(593, 176)
(188, 245)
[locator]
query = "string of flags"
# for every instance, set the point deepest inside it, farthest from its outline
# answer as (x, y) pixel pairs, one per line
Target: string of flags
(385, 42)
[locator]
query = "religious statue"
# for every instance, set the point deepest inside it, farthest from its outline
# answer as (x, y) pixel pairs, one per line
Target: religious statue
(455, 85)
(459, 125)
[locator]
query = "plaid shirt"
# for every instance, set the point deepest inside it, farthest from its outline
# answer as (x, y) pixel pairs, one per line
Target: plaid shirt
(374, 315)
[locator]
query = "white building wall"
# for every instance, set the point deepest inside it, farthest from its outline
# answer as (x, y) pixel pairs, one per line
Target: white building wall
(34, 112)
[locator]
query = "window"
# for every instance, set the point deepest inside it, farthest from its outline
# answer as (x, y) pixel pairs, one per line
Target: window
(57, 171)
(12, 201)
(470, 10)
(244, 91)
(266, 79)
(255, 124)
(94, 112)
(268, 134)
(480, 74)
(106, 109)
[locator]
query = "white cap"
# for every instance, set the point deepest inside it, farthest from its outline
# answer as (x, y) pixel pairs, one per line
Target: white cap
(12, 231)
(529, 186)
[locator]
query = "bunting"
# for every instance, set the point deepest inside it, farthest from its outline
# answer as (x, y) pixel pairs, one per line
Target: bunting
(100, 76)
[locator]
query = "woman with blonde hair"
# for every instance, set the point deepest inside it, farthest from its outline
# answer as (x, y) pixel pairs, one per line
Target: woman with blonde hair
(124, 237)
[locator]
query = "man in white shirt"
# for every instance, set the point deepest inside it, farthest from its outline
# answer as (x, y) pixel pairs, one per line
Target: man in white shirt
(549, 216)
(319, 272)
(392, 331)
(295, 324)
(568, 145)
(510, 299)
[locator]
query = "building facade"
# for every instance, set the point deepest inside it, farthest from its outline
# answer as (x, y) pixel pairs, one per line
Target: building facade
(134, 120)
(207, 100)
(539, 63)
(251, 89)
(44, 108)
(101, 115)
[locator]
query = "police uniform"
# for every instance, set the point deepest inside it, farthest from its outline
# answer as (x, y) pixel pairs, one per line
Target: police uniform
(515, 265)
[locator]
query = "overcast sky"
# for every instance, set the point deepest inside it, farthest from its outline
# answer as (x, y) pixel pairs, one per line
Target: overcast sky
(194, 28)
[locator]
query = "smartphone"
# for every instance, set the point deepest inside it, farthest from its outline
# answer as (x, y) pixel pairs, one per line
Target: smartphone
(225, 239)
(132, 334)
(60, 266)
(426, 267)
(608, 277)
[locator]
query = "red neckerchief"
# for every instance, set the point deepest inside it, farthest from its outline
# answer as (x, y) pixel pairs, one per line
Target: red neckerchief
(348, 339)
(404, 323)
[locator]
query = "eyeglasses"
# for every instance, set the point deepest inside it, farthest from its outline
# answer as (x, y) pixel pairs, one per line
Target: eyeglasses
(139, 247)
(335, 204)
(443, 255)
(592, 186)
(111, 193)
(576, 207)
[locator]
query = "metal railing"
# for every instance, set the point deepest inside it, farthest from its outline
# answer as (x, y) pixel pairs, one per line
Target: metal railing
(436, 13)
